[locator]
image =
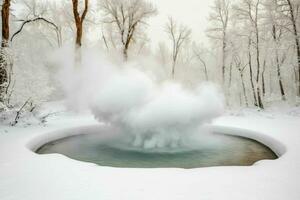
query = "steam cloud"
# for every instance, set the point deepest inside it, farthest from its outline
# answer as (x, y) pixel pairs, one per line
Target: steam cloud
(152, 114)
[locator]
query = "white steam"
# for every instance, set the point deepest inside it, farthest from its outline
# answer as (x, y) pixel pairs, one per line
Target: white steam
(152, 114)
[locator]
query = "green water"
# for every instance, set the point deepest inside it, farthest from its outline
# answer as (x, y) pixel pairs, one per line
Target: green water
(219, 150)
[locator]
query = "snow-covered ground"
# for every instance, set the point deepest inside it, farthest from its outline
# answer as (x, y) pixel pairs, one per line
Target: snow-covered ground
(25, 175)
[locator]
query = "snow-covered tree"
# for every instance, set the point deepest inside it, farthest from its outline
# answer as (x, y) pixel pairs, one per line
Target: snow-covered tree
(179, 35)
(125, 18)
(249, 12)
(219, 19)
(290, 9)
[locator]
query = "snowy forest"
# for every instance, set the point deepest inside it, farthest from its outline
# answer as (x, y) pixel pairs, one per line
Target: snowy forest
(150, 99)
(253, 53)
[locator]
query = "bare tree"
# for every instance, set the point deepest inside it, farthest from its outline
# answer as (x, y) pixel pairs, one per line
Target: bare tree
(38, 13)
(279, 61)
(199, 55)
(126, 16)
(178, 34)
(275, 26)
(219, 17)
(248, 10)
(79, 20)
(241, 68)
(291, 9)
(251, 70)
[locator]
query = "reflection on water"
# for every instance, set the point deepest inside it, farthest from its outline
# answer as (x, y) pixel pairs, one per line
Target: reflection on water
(219, 150)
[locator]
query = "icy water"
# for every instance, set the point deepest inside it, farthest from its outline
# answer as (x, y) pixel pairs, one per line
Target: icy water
(219, 150)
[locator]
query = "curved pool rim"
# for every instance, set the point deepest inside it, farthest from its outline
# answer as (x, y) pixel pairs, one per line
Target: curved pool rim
(277, 147)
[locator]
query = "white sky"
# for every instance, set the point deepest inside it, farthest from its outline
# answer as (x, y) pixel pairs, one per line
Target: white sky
(193, 13)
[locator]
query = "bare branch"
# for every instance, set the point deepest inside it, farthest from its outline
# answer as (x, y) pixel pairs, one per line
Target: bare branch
(33, 20)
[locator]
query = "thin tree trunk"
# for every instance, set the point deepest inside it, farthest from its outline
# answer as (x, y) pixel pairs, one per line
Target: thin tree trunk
(125, 53)
(205, 67)
(278, 66)
(244, 89)
(263, 84)
(230, 74)
(173, 69)
(251, 71)
(223, 57)
(260, 103)
(105, 41)
(263, 79)
(175, 54)
(259, 99)
(205, 71)
(298, 56)
(282, 92)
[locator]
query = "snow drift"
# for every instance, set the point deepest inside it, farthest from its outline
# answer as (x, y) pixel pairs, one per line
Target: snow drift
(152, 113)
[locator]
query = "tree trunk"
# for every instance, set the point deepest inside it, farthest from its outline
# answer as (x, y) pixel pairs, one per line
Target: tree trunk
(230, 74)
(173, 69)
(282, 92)
(251, 72)
(5, 23)
(244, 89)
(206, 73)
(260, 103)
(223, 58)
(298, 58)
(125, 53)
(263, 79)
(4, 63)
(78, 34)
(263, 84)
(278, 66)
(79, 20)
(259, 99)
(205, 67)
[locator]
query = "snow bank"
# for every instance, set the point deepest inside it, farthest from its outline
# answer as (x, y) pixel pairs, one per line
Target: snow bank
(277, 147)
(28, 176)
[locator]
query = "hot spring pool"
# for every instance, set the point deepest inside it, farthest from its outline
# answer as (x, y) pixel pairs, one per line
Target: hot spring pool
(218, 150)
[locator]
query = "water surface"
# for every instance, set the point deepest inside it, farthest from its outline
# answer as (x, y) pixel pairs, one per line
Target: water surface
(219, 150)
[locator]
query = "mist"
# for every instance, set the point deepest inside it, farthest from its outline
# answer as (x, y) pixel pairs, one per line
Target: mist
(151, 112)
